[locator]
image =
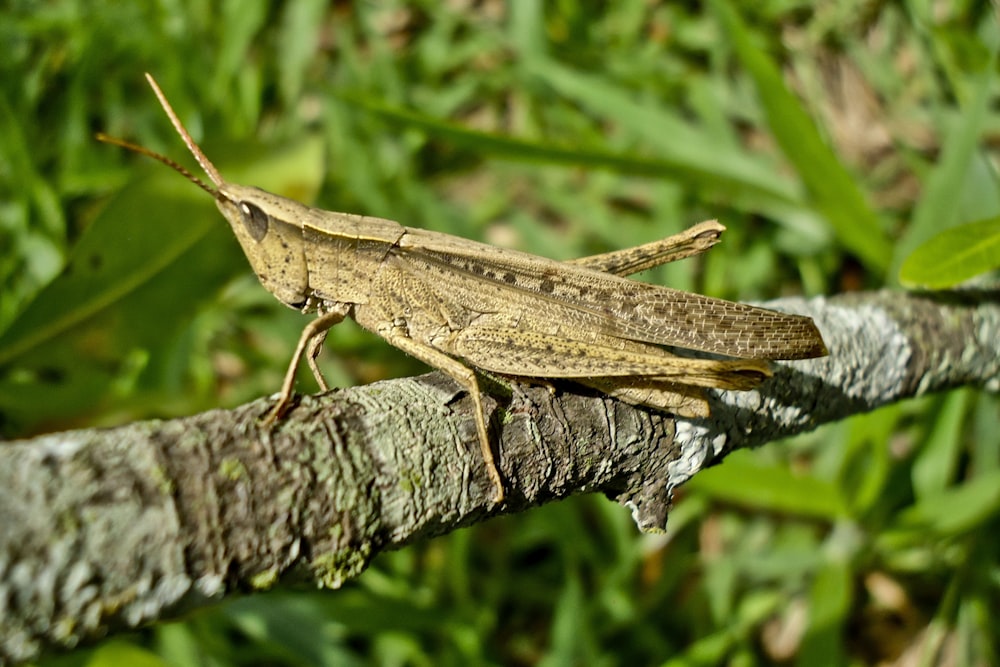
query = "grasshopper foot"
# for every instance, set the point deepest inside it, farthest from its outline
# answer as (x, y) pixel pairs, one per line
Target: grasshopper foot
(498, 490)
(278, 410)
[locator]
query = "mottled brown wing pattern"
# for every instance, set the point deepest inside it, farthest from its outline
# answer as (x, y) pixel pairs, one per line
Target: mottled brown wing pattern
(619, 307)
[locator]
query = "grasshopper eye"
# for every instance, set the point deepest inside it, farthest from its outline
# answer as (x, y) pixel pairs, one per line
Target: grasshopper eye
(254, 219)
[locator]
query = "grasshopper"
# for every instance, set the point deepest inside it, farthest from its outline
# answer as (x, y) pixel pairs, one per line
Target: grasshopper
(458, 305)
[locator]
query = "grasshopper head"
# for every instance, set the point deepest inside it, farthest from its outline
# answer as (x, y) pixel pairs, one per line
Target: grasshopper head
(259, 219)
(273, 245)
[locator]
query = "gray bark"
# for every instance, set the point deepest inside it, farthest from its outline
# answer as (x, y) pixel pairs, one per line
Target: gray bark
(102, 530)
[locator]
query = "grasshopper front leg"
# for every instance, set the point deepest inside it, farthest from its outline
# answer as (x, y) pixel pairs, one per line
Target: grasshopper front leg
(313, 350)
(310, 341)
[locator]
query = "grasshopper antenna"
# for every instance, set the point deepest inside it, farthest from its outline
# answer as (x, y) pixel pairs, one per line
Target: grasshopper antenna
(135, 148)
(206, 164)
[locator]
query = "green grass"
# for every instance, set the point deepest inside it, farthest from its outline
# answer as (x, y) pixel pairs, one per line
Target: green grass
(564, 131)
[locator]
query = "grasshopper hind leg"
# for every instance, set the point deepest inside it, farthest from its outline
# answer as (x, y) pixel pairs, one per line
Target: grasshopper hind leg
(675, 398)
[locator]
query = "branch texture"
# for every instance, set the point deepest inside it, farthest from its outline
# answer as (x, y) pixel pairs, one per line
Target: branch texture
(110, 529)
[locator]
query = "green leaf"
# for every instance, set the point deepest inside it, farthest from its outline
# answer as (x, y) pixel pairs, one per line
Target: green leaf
(117, 652)
(128, 244)
(955, 510)
(707, 160)
(950, 181)
(774, 489)
(142, 231)
(831, 186)
(941, 456)
(954, 256)
(694, 165)
(830, 598)
(301, 30)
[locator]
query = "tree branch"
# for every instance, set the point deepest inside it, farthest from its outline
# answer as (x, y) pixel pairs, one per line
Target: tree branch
(110, 529)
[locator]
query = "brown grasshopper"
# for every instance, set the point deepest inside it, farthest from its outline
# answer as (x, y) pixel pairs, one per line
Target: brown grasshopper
(457, 304)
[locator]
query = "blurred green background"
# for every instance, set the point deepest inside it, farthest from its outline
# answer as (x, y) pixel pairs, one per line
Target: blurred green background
(830, 138)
